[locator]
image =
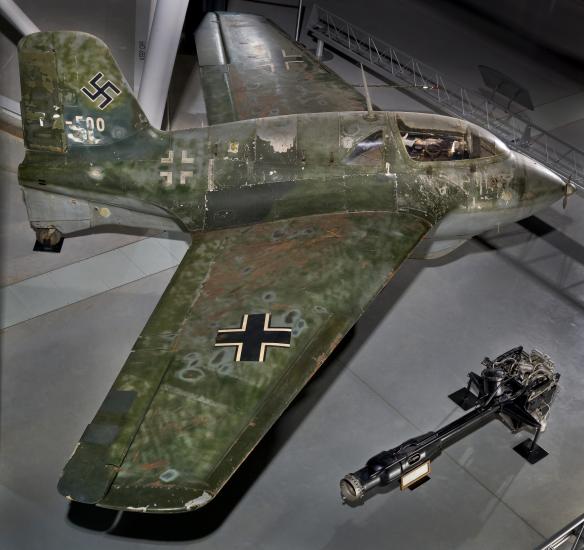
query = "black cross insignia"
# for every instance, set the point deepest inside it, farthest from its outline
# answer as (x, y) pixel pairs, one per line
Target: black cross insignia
(101, 90)
(252, 339)
(291, 58)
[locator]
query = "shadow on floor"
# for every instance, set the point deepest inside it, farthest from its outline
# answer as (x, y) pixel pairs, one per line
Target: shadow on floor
(565, 246)
(203, 522)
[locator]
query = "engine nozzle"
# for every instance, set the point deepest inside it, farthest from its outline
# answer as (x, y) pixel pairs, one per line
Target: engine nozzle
(389, 467)
(351, 489)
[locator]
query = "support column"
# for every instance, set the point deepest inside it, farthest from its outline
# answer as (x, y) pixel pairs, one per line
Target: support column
(17, 17)
(319, 49)
(298, 21)
(163, 42)
(144, 14)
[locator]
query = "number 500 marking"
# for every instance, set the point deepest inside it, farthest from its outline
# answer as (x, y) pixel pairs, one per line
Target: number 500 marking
(91, 123)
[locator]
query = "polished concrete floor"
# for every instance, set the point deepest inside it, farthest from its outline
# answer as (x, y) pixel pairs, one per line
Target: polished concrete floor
(70, 321)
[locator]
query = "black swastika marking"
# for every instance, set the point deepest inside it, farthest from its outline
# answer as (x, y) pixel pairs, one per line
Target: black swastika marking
(101, 90)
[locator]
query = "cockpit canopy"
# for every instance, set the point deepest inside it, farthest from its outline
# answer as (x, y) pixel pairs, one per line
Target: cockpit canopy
(440, 138)
(369, 151)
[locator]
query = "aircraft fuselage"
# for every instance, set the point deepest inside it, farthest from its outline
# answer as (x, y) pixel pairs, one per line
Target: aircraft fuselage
(280, 167)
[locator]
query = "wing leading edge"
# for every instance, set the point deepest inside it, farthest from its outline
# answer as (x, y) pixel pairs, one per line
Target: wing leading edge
(251, 69)
(183, 414)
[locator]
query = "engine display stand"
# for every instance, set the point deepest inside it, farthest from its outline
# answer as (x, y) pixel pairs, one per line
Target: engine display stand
(466, 400)
(530, 450)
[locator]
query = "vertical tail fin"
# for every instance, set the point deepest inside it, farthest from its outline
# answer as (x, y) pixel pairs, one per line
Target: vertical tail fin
(73, 93)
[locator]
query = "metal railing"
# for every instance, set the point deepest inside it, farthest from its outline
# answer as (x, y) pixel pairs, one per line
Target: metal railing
(573, 533)
(443, 95)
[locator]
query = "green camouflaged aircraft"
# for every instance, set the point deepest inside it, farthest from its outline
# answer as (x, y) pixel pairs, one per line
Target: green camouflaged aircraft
(301, 206)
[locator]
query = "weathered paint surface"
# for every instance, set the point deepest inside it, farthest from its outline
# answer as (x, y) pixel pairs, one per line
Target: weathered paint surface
(303, 212)
(251, 69)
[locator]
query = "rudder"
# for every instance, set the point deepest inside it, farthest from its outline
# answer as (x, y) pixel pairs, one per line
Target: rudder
(73, 93)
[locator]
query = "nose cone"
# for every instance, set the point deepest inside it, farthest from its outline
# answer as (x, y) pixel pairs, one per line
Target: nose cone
(541, 187)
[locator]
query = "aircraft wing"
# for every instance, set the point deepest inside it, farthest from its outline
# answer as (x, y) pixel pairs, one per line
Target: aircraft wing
(251, 69)
(248, 318)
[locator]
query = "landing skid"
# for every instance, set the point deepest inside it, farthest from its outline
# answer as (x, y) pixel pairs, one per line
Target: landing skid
(48, 240)
(46, 247)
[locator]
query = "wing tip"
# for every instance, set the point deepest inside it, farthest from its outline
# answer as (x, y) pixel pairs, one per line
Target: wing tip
(85, 477)
(138, 500)
(199, 502)
(190, 506)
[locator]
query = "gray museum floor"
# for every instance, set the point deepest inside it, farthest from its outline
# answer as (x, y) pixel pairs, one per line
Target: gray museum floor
(69, 321)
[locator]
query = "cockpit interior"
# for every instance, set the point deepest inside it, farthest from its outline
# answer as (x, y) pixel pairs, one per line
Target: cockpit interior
(437, 138)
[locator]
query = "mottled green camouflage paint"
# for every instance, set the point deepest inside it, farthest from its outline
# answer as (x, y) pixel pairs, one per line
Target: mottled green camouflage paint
(315, 274)
(281, 223)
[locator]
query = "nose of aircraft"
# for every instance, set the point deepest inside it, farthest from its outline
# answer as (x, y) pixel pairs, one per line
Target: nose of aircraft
(542, 187)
